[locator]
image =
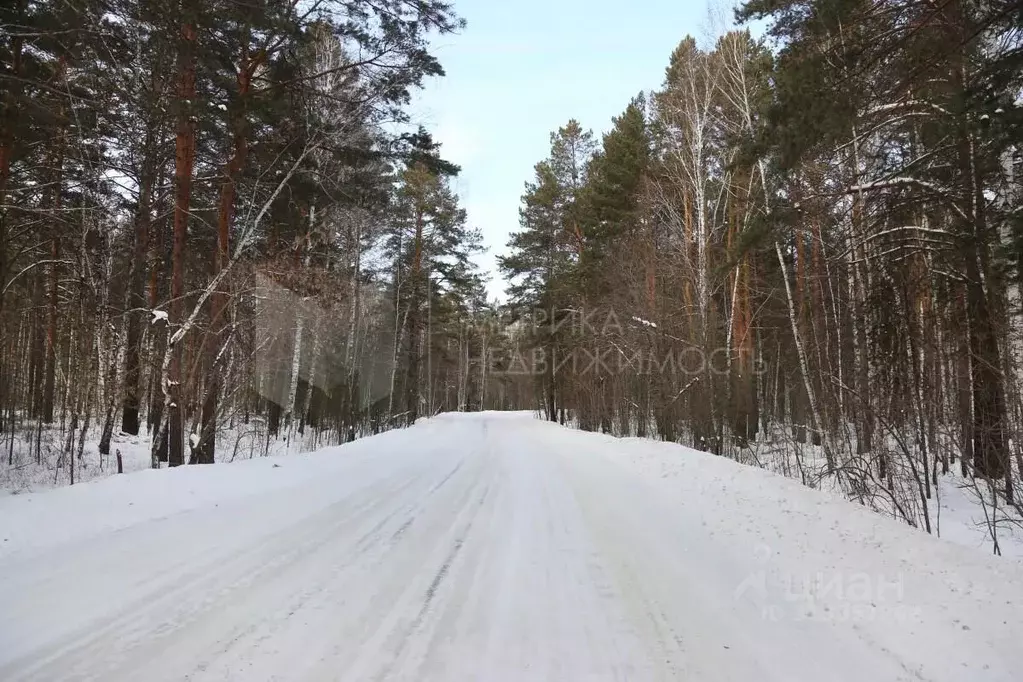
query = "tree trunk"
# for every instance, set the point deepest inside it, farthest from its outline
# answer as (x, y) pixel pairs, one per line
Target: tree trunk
(51, 326)
(415, 324)
(804, 370)
(217, 334)
(990, 454)
(136, 305)
(51, 329)
(183, 167)
(8, 119)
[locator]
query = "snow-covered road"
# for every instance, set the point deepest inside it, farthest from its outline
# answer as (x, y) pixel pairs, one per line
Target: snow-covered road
(489, 547)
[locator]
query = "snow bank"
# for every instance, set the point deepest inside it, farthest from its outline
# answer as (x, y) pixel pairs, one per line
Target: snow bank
(37, 520)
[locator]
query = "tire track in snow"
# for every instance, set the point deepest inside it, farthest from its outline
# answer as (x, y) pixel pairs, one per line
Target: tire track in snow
(180, 596)
(406, 633)
(480, 548)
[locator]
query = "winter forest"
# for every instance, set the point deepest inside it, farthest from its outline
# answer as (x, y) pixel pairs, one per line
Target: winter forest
(223, 233)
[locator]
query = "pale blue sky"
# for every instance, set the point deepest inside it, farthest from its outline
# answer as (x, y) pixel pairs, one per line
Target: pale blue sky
(522, 69)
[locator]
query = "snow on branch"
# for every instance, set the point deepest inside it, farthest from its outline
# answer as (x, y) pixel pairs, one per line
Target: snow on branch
(906, 181)
(908, 104)
(903, 228)
(897, 182)
(645, 323)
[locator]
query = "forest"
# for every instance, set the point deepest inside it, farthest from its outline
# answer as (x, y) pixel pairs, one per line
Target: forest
(804, 251)
(217, 213)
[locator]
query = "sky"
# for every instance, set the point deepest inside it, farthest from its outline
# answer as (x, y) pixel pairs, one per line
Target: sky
(523, 68)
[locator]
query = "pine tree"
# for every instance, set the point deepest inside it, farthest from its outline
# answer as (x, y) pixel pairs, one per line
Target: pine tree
(431, 246)
(614, 192)
(545, 253)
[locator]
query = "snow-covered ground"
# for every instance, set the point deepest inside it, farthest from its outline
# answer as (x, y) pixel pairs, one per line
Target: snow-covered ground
(29, 473)
(489, 547)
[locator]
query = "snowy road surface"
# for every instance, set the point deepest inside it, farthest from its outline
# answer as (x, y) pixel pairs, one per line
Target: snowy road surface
(489, 547)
